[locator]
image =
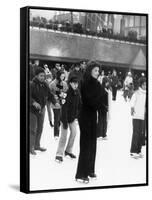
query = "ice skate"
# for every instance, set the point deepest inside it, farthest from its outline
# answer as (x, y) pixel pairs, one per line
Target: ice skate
(70, 155)
(93, 176)
(59, 159)
(134, 155)
(82, 180)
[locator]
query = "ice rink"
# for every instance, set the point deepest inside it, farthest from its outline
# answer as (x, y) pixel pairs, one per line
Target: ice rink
(114, 166)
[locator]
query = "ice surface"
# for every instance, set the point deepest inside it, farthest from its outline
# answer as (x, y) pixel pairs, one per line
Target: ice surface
(113, 163)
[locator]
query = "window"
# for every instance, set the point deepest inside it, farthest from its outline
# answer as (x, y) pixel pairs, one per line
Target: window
(137, 20)
(126, 18)
(143, 21)
(131, 21)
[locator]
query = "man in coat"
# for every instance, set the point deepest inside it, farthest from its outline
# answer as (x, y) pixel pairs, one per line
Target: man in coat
(39, 94)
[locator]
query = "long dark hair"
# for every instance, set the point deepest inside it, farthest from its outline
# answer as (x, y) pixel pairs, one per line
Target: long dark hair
(58, 75)
(90, 66)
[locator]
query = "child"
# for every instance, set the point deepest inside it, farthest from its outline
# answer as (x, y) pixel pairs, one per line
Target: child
(138, 102)
(69, 113)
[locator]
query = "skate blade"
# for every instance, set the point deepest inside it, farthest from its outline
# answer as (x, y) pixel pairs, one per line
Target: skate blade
(135, 157)
(82, 181)
(93, 179)
(58, 161)
(68, 157)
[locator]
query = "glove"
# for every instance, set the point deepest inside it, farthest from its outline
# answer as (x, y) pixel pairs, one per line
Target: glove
(65, 125)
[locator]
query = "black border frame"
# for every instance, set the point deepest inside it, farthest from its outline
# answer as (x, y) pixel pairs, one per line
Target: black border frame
(24, 99)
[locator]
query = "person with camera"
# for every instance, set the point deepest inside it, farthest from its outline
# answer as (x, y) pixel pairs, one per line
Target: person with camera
(69, 114)
(58, 87)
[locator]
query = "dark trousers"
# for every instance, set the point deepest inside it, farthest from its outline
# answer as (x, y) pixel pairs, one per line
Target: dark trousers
(137, 137)
(57, 115)
(114, 92)
(102, 124)
(86, 161)
(36, 128)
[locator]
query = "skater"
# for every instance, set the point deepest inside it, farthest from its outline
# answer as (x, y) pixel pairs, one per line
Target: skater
(114, 84)
(33, 68)
(69, 114)
(128, 86)
(76, 71)
(39, 94)
(102, 113)
(138, 102)
(57, 87)
(48, 80)
(100, 78)
(91, 96)
(55, 70)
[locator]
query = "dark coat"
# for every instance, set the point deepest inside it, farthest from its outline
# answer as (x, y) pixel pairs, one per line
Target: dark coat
(92, 97)
(40, 93)
(71, 108)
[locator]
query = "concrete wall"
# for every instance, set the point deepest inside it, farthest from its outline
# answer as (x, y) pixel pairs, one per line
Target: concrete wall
(56, 44)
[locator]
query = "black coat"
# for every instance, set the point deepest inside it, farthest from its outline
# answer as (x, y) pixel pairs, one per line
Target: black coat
(92, 98)
(40, 93)
(71, 108)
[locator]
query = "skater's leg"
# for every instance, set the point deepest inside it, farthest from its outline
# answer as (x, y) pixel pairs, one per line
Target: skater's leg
(71, 140)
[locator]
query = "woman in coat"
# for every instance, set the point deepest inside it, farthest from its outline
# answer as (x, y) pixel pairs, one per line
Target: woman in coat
(91, 94)
(58, 87)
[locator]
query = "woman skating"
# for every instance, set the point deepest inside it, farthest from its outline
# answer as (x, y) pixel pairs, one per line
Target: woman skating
(91, 94)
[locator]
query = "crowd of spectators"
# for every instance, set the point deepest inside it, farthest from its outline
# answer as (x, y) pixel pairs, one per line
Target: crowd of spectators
(67, 26)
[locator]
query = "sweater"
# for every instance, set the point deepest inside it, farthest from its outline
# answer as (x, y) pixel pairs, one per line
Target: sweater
(138, 102)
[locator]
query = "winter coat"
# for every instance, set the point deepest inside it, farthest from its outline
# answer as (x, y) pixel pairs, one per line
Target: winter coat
(57, 89)
(92, 95)
(138, 102)
(71, 107)
(40, 93)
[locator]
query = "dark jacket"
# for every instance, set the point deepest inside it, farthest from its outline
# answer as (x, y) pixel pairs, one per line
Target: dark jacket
(40, 93)
(92, 95)
(71, 108)
(54, 72)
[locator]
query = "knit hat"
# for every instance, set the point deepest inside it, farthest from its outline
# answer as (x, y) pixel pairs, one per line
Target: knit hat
(39, 70)
(73, 79)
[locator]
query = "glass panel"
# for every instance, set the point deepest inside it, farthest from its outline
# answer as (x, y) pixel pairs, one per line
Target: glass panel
(143, 32)
(131, 21)
(137, 20)
(126, 18)
(143, 21)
